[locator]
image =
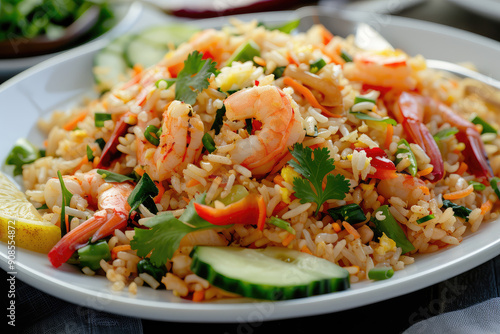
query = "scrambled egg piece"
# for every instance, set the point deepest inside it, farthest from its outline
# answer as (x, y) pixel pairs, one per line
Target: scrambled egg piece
(386, 244)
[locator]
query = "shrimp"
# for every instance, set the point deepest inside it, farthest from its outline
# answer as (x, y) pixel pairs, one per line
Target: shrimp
(387, 68)
(411, 109)
(406, 187)
(110, 200)
(281, 127)
(180, 142)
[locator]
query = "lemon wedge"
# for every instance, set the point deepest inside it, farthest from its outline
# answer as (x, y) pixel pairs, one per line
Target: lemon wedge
(21, 224)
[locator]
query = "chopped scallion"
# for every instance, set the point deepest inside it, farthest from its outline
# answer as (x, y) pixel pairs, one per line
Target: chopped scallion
(380, 273)
(346, 56)
(278, 71)
(109, 176)
(487, 128)
(90, 154)
(351, 213)
(425, 219)
(477, 185)
(363, 116)
(208, 142)
(404, 148)
(168, 82)
(458, 210)
(317, 65)
(494, 182)
(280, 223)
(100, 118)
(359, 99)
(151, 134)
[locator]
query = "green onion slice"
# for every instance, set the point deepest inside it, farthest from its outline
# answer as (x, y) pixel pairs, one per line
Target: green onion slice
(351, 213)
(284, 225)
(346, 56)
(425, 219)
(477, 185)
(208, 142)
(487, 128)
(109, 176)
(151, 134)
(90, 154)
(359, 99)
(363, 116)
(100, 118)
(380, 273)
(169, 82)
(317, 65)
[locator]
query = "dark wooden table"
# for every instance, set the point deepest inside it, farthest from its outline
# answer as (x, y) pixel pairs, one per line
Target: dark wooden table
(474, 286)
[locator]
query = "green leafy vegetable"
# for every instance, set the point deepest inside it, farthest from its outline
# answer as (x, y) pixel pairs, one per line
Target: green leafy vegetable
(405, 149)
(92, 254)
(101, 142)
(145, 266)
(193, 78)
(90, 154)
(385, 223)
(445, 133)
(165, 233)
(278, 71)
(351, 213)
(287, 27)
(219, 120)
(314, 166)
(66, 199)
(363, 116)
(143, 193)
(458, 210)
(21, 154)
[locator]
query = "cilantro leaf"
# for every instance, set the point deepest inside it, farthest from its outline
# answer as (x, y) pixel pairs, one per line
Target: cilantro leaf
(193, 78)
(143, 193)
(314, 166)
(165, 233)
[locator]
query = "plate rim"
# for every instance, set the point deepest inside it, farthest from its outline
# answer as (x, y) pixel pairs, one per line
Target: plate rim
(484, 253)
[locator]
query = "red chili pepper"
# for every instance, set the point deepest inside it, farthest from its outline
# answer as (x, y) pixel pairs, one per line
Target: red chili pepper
(250, 210)
(385, 167)
(110, 148)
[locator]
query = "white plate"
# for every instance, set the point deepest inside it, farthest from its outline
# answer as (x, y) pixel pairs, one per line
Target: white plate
(125, 15)
(486, 8)
(62, 79)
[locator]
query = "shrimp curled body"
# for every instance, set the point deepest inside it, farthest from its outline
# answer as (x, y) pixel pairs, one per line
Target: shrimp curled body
(281, 127)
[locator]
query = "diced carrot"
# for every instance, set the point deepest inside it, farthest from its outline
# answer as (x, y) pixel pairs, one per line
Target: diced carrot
(424, 172)
(120, 248)
(462, 169)
(288, 239)
(305, 249)
(460, 193)
(326, 35)
(139, 170)
(308, 95)
(424, 189)
(486, 206)
(161, 191)
(280, 206)
(381, 199)
(71, 125)
(198, 295)
(351, 230)
(336, 227)
(278, 179)
(192, 183)
(388, 135)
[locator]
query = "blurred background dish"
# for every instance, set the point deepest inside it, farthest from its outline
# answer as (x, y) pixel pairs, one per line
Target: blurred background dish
(29, 35)
(486, 8)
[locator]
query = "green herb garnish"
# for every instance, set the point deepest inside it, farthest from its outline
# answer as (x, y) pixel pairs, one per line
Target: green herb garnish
(458, 210)
(100, 118)
(21, 154)
(193, 78)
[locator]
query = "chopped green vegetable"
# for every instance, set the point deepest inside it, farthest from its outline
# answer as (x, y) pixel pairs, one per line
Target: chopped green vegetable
(359, 99)
(477, 185)
(246, 52)
(92, 254)
(249, 125)
(380, 273)
(386, 223)
(282, 224)
(426, 218)
(208, 142)
(90, 154)
(314, 166)
(193, 78)
(405, 149)
(494, 182)
(351, 213)
(109, 176)
(101, 142)
(219, 120)
(458, 210)
(317, 65)
(165, 233)
(346, 56)
(487, 128)
(236, 193)
(445, 133)
(151, 135)
(66, 199)
(143, 193)
(168, 82)
(287, 27)
(363, 116)
(278, 71)
(145, 266)
(100, 118)
(21, 154)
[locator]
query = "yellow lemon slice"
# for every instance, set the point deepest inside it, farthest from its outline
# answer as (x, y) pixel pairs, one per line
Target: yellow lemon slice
(20, 223)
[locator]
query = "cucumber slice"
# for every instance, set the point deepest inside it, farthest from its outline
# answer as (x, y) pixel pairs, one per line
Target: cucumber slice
(110, 68)
(144, 52)
(272, 273)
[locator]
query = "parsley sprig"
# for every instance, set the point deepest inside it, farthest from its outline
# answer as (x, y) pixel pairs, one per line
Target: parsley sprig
(193, 78)
(314, 166)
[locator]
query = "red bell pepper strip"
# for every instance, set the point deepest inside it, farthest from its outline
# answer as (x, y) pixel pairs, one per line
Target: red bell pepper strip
(111, 145)
(385, 167)
(250, 210)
